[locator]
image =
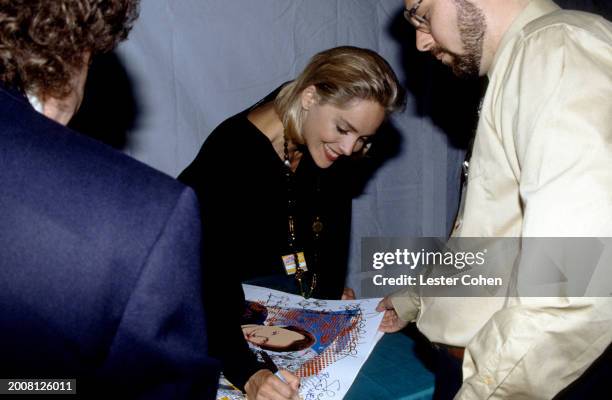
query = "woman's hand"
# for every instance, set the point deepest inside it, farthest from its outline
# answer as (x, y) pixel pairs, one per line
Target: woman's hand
(264, 385)
(348, 294)
(390, 322)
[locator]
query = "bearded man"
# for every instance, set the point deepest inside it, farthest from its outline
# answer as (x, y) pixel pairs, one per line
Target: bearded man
(540, 167)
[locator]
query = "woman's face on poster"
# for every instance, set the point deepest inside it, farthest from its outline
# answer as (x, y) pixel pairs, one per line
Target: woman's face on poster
(271, 336)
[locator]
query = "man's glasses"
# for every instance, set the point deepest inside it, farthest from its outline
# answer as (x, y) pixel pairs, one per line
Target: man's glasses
(419, 23)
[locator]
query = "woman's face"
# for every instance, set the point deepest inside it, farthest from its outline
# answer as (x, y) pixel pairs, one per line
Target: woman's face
(272, 336)
(330, 132)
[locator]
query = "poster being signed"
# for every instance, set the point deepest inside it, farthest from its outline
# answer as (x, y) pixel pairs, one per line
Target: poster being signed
(324, 342)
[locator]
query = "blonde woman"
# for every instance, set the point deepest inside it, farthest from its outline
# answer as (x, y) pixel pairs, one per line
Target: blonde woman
(274, 182)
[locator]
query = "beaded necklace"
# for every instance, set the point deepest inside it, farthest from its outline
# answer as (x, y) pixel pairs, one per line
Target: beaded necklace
(295, 261)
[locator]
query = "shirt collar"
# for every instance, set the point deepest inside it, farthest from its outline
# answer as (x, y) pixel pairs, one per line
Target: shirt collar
(35, 102)
(535, 9)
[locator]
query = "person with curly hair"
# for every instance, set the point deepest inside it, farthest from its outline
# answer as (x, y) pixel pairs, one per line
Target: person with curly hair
(46, 46)
(91, 287)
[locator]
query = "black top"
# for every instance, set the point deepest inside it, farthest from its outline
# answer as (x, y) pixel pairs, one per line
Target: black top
(242, 186)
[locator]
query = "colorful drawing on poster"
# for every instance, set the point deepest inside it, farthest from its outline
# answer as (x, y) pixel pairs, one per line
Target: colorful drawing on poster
(325, 343)
(333, 334)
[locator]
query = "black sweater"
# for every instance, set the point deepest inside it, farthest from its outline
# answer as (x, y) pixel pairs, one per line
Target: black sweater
(240, 181)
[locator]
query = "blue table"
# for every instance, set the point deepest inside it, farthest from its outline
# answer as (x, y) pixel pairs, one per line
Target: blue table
(396, 370)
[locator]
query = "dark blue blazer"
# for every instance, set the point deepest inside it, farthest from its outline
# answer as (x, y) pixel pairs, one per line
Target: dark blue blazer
(100, 275)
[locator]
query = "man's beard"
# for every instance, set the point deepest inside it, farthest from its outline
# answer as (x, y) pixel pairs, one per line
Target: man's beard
(472, 26)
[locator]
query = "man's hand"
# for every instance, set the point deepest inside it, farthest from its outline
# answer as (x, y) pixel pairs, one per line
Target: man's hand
(348, 294)
(264, 385)
(391, 322)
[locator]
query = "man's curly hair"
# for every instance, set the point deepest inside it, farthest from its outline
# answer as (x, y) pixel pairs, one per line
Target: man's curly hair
(43, 42)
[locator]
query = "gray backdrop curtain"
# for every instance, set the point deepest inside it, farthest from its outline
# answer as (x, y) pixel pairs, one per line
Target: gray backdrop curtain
(189, 64)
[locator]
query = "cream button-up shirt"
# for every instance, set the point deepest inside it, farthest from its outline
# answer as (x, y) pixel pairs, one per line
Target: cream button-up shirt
(541, 166)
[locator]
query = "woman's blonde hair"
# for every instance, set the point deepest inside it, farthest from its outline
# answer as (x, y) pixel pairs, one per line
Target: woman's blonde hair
(340, 75)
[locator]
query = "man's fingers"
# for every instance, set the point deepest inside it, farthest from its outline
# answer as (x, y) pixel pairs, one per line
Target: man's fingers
(389, 316)
(391, 322)
(348, 294)
(387, 328)
(381, 307)
(385, 304)
(388, 323)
